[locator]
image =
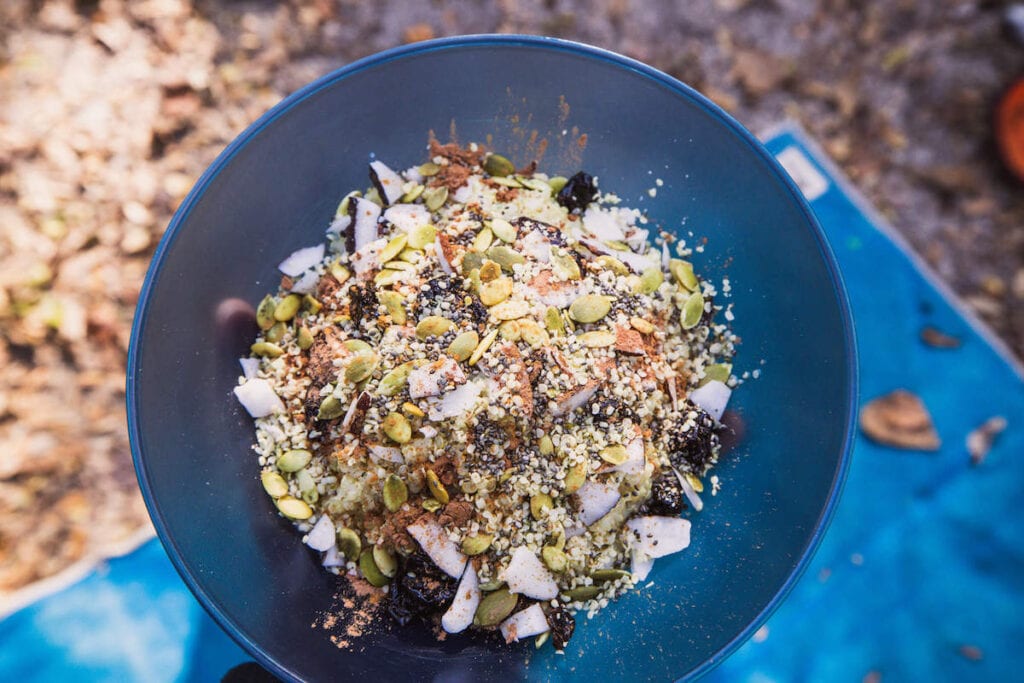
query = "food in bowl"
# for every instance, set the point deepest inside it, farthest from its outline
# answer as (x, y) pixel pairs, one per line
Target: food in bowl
(489, 393)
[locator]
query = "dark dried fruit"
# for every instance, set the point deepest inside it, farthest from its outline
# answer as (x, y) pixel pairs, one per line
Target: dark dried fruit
(419, 588)
(666, 496)
(364, 302)
(562, 626)
(695, 448)
(578, 192)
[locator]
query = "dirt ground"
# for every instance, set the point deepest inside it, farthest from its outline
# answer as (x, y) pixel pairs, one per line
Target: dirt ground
(110, 110)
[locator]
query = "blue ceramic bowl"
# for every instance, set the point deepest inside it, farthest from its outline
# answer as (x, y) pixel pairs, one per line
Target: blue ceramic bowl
(275, 188)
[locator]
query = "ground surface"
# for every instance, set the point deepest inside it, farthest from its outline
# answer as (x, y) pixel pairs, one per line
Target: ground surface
(109, 111)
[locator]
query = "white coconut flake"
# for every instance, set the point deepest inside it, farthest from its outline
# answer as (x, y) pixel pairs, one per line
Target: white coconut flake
(689, 492)
(603, 224)
(321, 536)
(635, 461)
(307, 283)
(438, 547)
(302, 260)
(455, 403)
(388, 183)
(407, 217)
(364, 229)
(576, 399)
(249, 366)
(657, 536)
(258, 398)
(641, 564)
(713, 397)
(441, 259)
(467, 598)
(526, 575)
(366, 258)
(432, 378)
(537, 247)
(596, 500)
(525, 623)
(388, 454)
(333, 557)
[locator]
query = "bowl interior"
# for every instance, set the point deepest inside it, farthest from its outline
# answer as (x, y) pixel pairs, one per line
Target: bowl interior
(275, 189)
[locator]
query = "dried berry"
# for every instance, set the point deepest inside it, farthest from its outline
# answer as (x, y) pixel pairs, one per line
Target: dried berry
(693, 448)
(419, 589)
(364, 302)
(666, 496)
(562, 626)
(578, 192)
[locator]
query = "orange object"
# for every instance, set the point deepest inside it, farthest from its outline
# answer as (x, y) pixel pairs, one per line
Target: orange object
(1010, 128)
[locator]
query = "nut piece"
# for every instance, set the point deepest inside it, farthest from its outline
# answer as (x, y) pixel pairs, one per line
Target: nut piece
(437, 489)
(597, 339)
(395, 493)
(640, 325)
(481, 349)
(489, 270)
(397, 428)
(590, 308)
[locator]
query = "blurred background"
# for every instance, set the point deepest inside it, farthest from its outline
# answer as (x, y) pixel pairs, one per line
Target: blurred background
(110, 110)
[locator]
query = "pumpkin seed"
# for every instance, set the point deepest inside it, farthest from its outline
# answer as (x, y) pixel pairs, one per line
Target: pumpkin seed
(539, 641)
(307, 486)
(556, 183)
(421, 236)
(555, 559)
(410, 255)
(510, 330)
(476, 544)
(393, 248)
(615, 455)
(532, 333)
(330, 408)
(503, 230)
(266, 349)
(590, 308)
(510, 310)
(357, 345)
(498, 166)
(312, 304)
(489, 271)
(495, 607)
(694, 481)
(481, 349)
(392, 301)
(613, 264)
(373, 195)
(342, 209)
(617, 245)
(397, 428)
(563, 265)
(339, 272)
(462, 346)
(287, 308)
(293, 508)
(581, 593)
(435, 197)
(495, 291)
(575, 477)
(603, 575)
(431, 505)
(360, 367)
(506, 182)
(506, 257)
(682, 271)
(371, 572)
(489, 586)
(641, 325)
(412, 409)
(428, 169)
(483, 240)
(546, 446)
(540, 503)
(650, 280)
(433, 326)
(395, 493)
(274, 484)
(392, 383)
(437, 489)
(597, 339)
(385, 561)
(265, 313)
(387, 277)
(553, 321)
(693, 310)
(506, 475)
(349, 544)
(534, 184)
(293, 460)
(276, 333)
(471, 261)
(413, 193)
(719, 372)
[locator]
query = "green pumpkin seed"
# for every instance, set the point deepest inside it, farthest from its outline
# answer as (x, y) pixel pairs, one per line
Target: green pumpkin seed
(371, 572)
(360, 367)
(393, 248)
(617, 245)
(330, 408)
(293, 460)
(435, 197)
(476, 544)
(556, 183)
(312, 304)
(603, 575)
(483, 240)
(265, 313)
(597, 339)
(387, 277)
(489, 271)
(413, 193)
(428, 169)
(397, 428)
(412, 256)
(274, 484)
(372, 194)
(613, 264)
(553, 321)
(495, 607)
(392, 301)
(694, 481)
(412, 409)
(385, 561)
(535, 184)
(471, 261)
(495, 291)
(641, 325)
(650, 280)
(582, 593)
(393, 382)
(575, 477)
(276, 333)
(431, 505)
(395, 493)
(506, 475)
(349, 544)
(563, 265)
(503, 230)
(682, 271)
(616, 455)
(510, 331)
(507, 182)
(421, 236)
(693, 310)
(462, 346)
(590, 308)
(339, 272)
(399, 265)
(433, 326)
(480, 350)
(498, 166)
(546, 446)
(437, 489)
(293, 508)
(539, 641)
(356, 345)
(540, 503)
(556, 560)
(510, 310)
(718, 373)
(533, 334)
(490, 586)
(287, 308)
(506, 257)
(266, 349)
(307, 486)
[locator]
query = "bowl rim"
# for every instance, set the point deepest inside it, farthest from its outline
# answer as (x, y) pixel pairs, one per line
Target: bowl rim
(181, 214)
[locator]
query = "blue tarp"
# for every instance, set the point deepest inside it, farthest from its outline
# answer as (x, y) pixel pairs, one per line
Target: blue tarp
(920, 577)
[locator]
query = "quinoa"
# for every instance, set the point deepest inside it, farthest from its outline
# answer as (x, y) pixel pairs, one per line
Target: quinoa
(523, 364)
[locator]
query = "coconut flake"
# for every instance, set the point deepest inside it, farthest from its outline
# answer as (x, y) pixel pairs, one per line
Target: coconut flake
(356, 411)
(666, 257)
(526, 575)
(366, 259)
(258, 398)
(467, 598)
(333, 558)
(637, 240)
(713, 397)
(638, 263)
(635, 461)
(454, 403)
(387, 454)
(432, 378)
(302, 260)
(339, 225)
(307, 283)
(657, 536)
(249, 366)
(439, 252)
(388, 183)
(602, 224)
(525, 623)
(640, 565)
(537, 247)
(438, 547)
(689, 492)
(407, 217)
(578, 398)
(321, 536)
(596, 500)
(363, 228)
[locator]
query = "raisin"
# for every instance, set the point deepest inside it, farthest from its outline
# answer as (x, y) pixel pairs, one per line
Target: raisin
(562, 626)
(694, 449)
(364, 303)
(666, 496)
(420, 588)
(578, 192)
